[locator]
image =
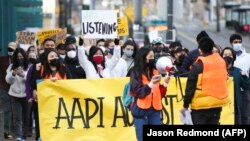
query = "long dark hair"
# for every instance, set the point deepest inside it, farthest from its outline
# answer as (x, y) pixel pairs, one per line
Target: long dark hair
(229, 48)
(92, 52)
(59, 68)
(140, 66)
(15, 59)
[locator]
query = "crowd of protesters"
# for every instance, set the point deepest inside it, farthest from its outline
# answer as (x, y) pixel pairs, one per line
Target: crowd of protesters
(109, 58)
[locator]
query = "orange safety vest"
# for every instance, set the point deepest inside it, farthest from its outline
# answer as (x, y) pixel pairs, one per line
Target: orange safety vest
(211, 89)
(58, 76)
(154, 98)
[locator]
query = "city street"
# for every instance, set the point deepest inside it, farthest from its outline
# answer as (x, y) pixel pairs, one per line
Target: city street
(187, 32)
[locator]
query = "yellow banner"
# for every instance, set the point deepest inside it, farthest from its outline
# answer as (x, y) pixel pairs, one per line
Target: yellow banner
(122, 26)
(92, 110)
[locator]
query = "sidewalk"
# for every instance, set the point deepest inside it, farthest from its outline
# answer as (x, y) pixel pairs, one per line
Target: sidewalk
(226, 32)
(222, 37)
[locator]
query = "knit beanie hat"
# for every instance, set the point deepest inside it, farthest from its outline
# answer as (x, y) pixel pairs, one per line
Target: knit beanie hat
(202, 34)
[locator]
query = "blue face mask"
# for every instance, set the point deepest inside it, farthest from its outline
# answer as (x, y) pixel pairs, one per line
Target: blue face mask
(237, 47)
(111, 51)
(128, 53)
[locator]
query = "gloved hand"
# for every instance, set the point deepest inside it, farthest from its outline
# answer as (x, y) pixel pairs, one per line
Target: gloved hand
(117, 41)
(81, 41)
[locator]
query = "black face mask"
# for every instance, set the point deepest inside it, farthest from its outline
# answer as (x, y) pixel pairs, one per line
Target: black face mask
(32, 60)
(54, 62)
(181, 58)
(20, 62)
(151, 63)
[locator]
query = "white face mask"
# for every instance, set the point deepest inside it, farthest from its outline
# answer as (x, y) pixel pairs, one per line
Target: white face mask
(10, 53)
(71, 54)
(237, 47)
(62, 56)
(128, 53)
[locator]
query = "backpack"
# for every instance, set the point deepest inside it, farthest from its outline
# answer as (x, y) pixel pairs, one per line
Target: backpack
(127, 99)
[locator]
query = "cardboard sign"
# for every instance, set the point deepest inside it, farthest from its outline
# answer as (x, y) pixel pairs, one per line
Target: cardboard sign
(42, 35)
(122, 26)
(26, 37)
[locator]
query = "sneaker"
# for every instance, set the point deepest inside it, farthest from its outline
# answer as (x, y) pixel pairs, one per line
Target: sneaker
(7, 136)
(18, 139)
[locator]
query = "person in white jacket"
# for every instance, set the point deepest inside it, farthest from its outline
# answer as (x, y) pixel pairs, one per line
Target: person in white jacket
(120, 69)
(15, 76)
(242, 62)
(95, 65)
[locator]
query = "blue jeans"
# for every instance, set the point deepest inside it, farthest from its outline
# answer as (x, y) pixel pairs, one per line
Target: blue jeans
(152, 118)
(6, 108)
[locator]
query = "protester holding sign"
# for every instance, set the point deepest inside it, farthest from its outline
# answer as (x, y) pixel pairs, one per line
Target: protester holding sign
(47, 45)
(120, 69)
(147, 90)
(98, 61)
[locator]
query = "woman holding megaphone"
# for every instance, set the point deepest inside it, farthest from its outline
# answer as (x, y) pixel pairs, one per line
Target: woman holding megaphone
(147, 90)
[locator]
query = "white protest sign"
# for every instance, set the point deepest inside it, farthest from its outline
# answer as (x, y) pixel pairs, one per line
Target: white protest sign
(99, 24)
(152, 35)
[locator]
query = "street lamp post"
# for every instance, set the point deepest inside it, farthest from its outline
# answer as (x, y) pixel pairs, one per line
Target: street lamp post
(218, 15)
(170, 21)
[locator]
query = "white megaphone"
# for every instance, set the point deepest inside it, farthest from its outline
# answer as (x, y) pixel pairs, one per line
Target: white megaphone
(164, 65)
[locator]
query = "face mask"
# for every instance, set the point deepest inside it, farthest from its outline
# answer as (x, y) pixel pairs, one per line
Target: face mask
(10, 53)
(98, 59)
(181, 58)
(158, 49)
(111, 51)
(62, 56)
(151, 63)
(54, 62)
(237, 47)
(128, 53)
(20, 62)
(71, 54)
(32, 60)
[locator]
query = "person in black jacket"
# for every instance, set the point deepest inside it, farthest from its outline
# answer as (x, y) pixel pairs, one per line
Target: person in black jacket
(192, 55)
(71, 59)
